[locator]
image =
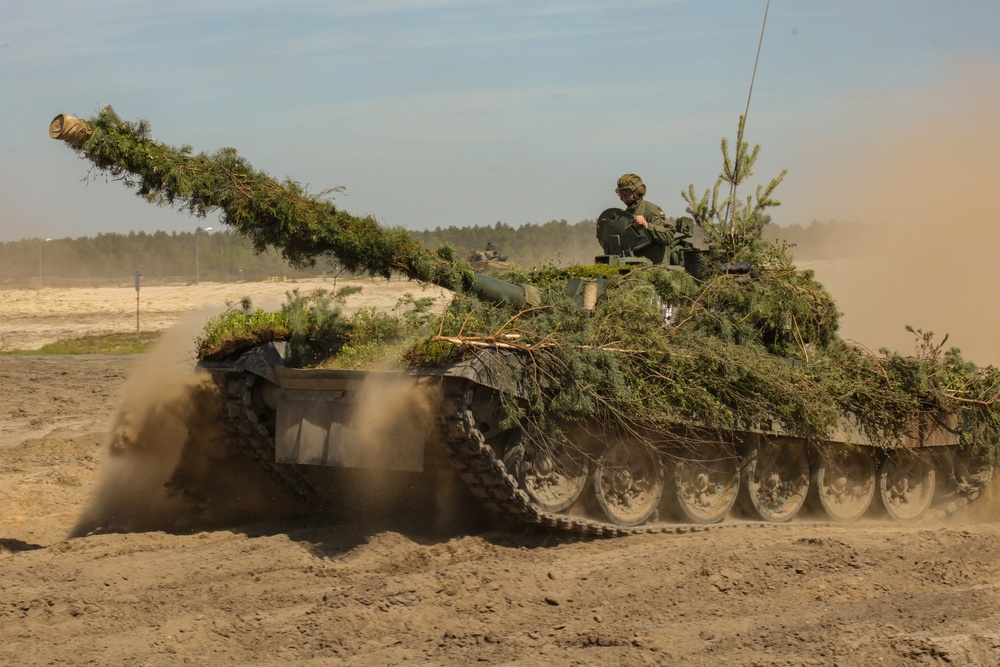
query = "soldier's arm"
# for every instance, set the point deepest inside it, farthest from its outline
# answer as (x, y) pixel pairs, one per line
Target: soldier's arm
(659, 230)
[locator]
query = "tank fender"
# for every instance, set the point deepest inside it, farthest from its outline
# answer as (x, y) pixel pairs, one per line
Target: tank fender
(260, 360)
(493, 367)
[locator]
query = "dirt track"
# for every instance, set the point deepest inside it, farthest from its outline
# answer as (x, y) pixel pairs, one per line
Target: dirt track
(270, 591)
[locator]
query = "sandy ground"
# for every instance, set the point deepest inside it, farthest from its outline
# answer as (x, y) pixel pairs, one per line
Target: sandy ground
(406, 588)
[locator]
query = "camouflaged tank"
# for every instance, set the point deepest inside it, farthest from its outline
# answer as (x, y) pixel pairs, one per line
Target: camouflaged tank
(595, 480)
(591, 477)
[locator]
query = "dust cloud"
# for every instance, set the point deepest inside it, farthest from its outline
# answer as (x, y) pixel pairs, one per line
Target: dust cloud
(984, 508)
(395, 415)
(926, 184)
(394, 421)
(169, 465)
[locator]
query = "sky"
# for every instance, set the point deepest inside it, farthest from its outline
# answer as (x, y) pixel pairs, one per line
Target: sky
(470, 112)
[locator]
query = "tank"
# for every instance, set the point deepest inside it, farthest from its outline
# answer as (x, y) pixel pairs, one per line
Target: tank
(672, 433)
(487, 260)
(593, 478)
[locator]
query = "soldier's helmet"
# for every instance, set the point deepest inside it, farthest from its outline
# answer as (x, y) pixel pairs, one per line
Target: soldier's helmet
(631, 183)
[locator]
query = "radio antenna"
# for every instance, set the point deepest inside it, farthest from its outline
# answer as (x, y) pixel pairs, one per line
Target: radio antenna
(739, 136)
(760, 42)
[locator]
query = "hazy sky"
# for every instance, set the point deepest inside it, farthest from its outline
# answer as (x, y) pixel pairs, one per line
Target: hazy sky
(459, 112)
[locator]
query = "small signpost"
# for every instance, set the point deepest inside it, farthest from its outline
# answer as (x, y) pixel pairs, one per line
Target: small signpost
(137, 274)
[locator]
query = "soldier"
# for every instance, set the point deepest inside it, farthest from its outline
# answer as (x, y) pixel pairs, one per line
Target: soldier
(646, 215)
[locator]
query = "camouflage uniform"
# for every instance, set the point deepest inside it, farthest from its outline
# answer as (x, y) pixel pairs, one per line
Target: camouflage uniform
(661, 233)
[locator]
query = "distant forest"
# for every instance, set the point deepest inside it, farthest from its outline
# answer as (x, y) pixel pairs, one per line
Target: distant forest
(220, 256)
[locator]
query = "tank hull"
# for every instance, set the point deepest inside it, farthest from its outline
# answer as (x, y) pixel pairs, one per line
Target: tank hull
(589, 481)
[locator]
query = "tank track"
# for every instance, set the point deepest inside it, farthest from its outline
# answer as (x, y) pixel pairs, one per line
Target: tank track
(475, 462)
(255, 433)
(487, 477)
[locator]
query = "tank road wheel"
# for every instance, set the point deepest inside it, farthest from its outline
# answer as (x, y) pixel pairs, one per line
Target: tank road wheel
(628, 482)
(971, 473)
(906, 482)
(553, 476)
(703, 484)
(775, 480)
(843, 482)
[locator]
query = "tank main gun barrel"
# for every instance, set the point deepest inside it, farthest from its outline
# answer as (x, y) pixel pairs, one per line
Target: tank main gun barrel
(70, 129)
(282, 215)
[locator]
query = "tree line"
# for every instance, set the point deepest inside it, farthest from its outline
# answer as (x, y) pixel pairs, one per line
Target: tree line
(112, 259)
